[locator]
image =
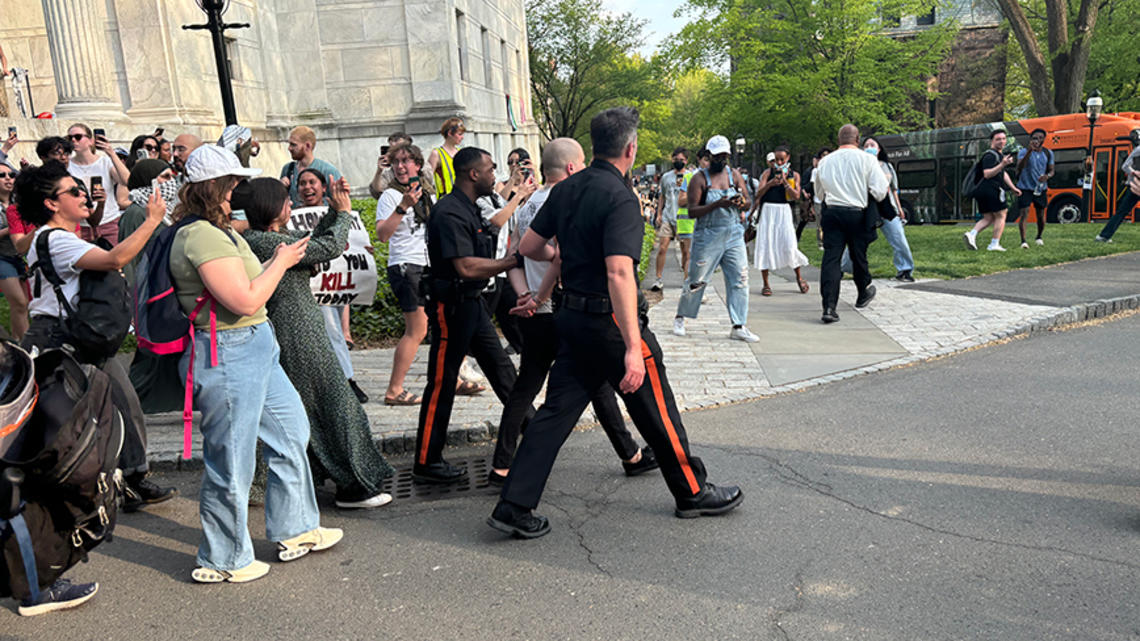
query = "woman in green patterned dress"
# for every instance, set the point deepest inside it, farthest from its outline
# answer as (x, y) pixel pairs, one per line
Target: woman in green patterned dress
(340, 443)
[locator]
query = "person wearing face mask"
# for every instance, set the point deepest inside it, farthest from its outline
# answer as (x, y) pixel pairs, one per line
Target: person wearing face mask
(460, 249)
(716, 200)
(893, 230)
(669, 203)
(776, 246)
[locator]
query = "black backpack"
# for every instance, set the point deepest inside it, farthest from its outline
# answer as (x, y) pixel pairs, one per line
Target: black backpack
(102, 317)
(67, 449)
(974, 177)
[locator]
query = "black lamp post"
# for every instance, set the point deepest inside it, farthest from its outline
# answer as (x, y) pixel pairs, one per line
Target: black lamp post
(1093, 107)
(739, 145)
(214, 10)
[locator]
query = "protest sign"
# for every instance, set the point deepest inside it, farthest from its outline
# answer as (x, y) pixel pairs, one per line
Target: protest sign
(348, 279)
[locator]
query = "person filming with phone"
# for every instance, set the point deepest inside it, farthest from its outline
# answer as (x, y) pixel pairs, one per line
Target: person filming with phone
(106, 171)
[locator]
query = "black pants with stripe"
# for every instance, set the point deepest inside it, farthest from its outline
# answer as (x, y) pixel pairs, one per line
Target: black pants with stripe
(539, 348)
(592, 353)
(457, 328)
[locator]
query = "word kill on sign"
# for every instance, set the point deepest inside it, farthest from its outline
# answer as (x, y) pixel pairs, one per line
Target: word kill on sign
(349, 279)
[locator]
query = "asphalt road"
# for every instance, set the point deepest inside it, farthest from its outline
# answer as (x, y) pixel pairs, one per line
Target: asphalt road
(990, 495)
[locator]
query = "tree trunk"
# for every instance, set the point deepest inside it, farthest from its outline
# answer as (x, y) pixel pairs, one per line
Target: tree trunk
(1039, 82)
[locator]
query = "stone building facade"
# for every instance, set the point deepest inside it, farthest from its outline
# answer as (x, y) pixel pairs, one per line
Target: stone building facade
(971, 81)
(353, 70)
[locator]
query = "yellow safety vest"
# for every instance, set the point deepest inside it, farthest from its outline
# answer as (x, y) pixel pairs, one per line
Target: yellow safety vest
(685, 224)
(445, 173)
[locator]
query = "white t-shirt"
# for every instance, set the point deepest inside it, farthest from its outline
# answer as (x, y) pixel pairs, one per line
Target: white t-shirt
(66, 248)
(408, 244)
(489, 206)
(535, 269)
(844, 177)
(101, 167)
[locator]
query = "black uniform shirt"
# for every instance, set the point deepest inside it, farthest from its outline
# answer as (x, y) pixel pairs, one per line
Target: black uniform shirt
(594, 214)
(456, 230)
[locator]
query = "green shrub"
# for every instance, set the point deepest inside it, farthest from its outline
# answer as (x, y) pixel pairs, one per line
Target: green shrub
(646, 250)
(382, 319)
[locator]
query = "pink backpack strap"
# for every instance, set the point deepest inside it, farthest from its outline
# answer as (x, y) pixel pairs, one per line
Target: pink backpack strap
(188, 398)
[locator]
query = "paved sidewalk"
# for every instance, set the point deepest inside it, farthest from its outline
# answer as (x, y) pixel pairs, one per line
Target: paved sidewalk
(904, 324)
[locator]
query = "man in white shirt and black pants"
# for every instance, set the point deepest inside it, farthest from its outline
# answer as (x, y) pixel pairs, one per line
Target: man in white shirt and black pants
(842, 182)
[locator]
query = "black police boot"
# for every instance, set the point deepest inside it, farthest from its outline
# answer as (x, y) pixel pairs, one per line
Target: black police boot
(518, 522)
(360, 395)
(139, 491)
(866, 297)
(440, 473)
(711, 501)
(647, 462)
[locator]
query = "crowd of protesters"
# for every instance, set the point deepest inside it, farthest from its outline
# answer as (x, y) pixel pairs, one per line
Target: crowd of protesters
(466, 244)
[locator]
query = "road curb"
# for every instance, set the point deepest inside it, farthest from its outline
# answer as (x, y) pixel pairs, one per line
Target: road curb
(397, 444)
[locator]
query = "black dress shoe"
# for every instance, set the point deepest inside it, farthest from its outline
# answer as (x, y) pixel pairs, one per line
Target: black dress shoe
(518, 522)
(494, 478)
(865, 298)
(441, 473)
(647, 462)
(140, 492)
(905, 276)
(711, 501)
(829, 316)
(360, 395)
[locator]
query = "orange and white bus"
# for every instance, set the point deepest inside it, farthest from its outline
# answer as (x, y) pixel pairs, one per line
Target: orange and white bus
(931, 165)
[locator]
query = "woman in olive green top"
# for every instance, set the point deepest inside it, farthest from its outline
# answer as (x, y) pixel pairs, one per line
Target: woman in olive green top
(340, 438)
(238, 384)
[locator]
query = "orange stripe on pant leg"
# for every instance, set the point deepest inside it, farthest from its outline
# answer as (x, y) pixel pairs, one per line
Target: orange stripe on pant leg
(659, 396)
(440, 358)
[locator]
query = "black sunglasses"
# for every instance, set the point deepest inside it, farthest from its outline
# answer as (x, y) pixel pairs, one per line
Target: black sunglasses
(72, 191)
(150, 148)
(77, 136)
(3, 176)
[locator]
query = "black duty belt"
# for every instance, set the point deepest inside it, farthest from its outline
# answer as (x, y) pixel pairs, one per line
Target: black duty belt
(446, 290)
(588, 304)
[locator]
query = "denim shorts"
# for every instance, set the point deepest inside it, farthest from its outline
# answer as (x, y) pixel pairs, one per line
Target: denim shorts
(11, 267)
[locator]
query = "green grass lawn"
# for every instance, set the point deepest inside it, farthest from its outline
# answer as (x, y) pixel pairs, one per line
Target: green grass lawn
(940, 253)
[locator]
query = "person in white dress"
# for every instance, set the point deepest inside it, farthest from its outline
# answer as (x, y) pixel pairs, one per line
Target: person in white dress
(776, 246)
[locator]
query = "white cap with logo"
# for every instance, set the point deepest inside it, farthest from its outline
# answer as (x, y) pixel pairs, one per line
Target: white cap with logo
(211, 161)
(718, 145)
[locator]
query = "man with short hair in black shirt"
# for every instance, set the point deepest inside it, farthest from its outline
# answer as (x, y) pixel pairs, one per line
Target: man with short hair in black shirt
(461, 247)
(602, 326)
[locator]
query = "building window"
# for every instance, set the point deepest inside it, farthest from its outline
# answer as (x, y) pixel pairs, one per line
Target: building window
(890, 20)
(488, 78)
(926, 20)
(505, 57)
(461, 31)
(232, 59)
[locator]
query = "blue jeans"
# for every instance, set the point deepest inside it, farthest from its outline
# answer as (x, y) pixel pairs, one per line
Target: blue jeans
(1123, 208)
(720, 246)
(246, 397)
(896, 237)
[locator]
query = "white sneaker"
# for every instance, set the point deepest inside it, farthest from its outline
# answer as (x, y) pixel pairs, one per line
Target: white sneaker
(969, 238)
(743, 334)
(1040, 242)
(678, 326)
(379, 500)
(994, 247)
(1102, 239)
(1025, 245)
(657, 285)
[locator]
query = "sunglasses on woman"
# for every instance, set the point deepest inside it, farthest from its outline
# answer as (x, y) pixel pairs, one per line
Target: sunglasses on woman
(6, 176)
(74, 192)
(77, 137)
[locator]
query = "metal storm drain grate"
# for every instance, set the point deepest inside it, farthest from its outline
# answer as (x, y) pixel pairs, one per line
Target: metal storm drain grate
(403, 488)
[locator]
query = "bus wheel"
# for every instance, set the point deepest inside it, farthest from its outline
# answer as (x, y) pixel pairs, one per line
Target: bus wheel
(908, 211)
(1065, 209)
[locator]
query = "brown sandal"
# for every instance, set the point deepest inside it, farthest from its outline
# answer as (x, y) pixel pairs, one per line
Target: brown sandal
(803, 286)
(767, 291)
(403, 398)
(467, 388)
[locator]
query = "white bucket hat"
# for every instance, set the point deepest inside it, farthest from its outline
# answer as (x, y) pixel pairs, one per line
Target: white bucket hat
(211, 161)
(718, 145)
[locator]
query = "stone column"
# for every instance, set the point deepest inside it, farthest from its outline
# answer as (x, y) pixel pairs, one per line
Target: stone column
(81, 60)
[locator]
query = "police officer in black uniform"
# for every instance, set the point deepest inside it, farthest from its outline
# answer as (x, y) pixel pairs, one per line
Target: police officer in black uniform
(602, 326)
(460, 248)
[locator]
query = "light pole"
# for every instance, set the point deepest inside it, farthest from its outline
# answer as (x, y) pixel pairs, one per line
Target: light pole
(214, 10)
(1093, 107)
(739, 150)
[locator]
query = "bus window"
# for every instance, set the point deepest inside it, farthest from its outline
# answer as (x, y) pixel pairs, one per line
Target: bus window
(1068, 175)
(1101, 190)
(916, 174)
(1069, 155)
